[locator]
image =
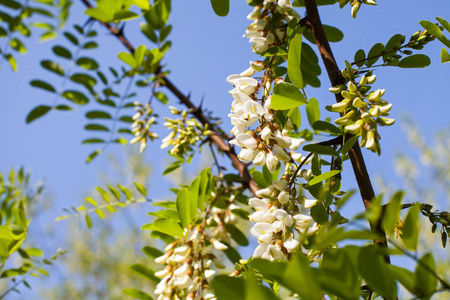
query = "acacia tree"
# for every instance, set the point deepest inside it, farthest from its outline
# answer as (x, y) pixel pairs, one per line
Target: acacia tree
(294, 197)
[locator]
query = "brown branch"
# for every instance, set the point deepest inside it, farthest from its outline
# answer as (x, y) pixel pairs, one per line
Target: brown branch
(197, 112)
(334, 74)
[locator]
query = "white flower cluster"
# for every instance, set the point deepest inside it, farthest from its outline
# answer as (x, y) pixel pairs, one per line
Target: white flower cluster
(259, 33)
(276, 217)
(187, 271)
(265, 145)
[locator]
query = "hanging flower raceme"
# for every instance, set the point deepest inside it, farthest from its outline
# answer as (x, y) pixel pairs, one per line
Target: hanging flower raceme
(264, 32)
(187, 271)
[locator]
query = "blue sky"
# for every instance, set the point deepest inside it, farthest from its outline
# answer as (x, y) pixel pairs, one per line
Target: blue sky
(206, 49)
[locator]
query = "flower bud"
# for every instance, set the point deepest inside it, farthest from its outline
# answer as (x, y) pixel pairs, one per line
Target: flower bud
(385, 109)
(283, 197)
(260, 159)
(358, 103)
(281, 154)
(385, 121)
(363, 80)
(266, 133)
(352, 87)
(371, 79)
(353, 128)
(355, 9)
(271, 162)
(337, 89)
(267, 192)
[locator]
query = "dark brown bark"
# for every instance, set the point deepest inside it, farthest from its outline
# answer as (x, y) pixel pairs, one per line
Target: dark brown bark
(314, 23)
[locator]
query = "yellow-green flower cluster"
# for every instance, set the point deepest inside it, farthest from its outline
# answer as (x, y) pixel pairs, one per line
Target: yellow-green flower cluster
(362, 110)
(184, 133)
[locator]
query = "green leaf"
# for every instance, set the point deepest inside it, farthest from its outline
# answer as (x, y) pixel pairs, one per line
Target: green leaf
(97, 114)
(161, 97)
(84, 79)
(392, 212)
(444, 23)
(323, 177)
(93, 141)
(222, 287)
(137, 294)
(141, 189)
(404, 276)
(348, 144)
(313, 111)
(254, 290)
(17, 45)
(410, 234)
(426, 282)
(166, 226)
(183, 207)
(90, 45)
(445, 57)
(236, 235)
(104, 194)
(93, 155)
(52, 67)
(286, 96)
(299, 278)
(142, 4)
(375, 272)
(139, 55)
(11, 4)
(152, 252)
(62, 52)
(124, 15)
(436, 31)
(415, 61)
(319, 213)
(360, 56)
(71, 38)
(91, 201)
(165, 32)
(326, 127)
(96, 127)
(319, 149)
(374, 54)
(37, 112)
(333, 34)
(221, 7)
(88, 221)
(125, 191)
(147, 30)
(338, 275)
(294, 61)
(12, 61)
(63, 107)
(87, 63)
(144, 271)
(128, 59)
(75, 96)
(166, 213)
(43, 85)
